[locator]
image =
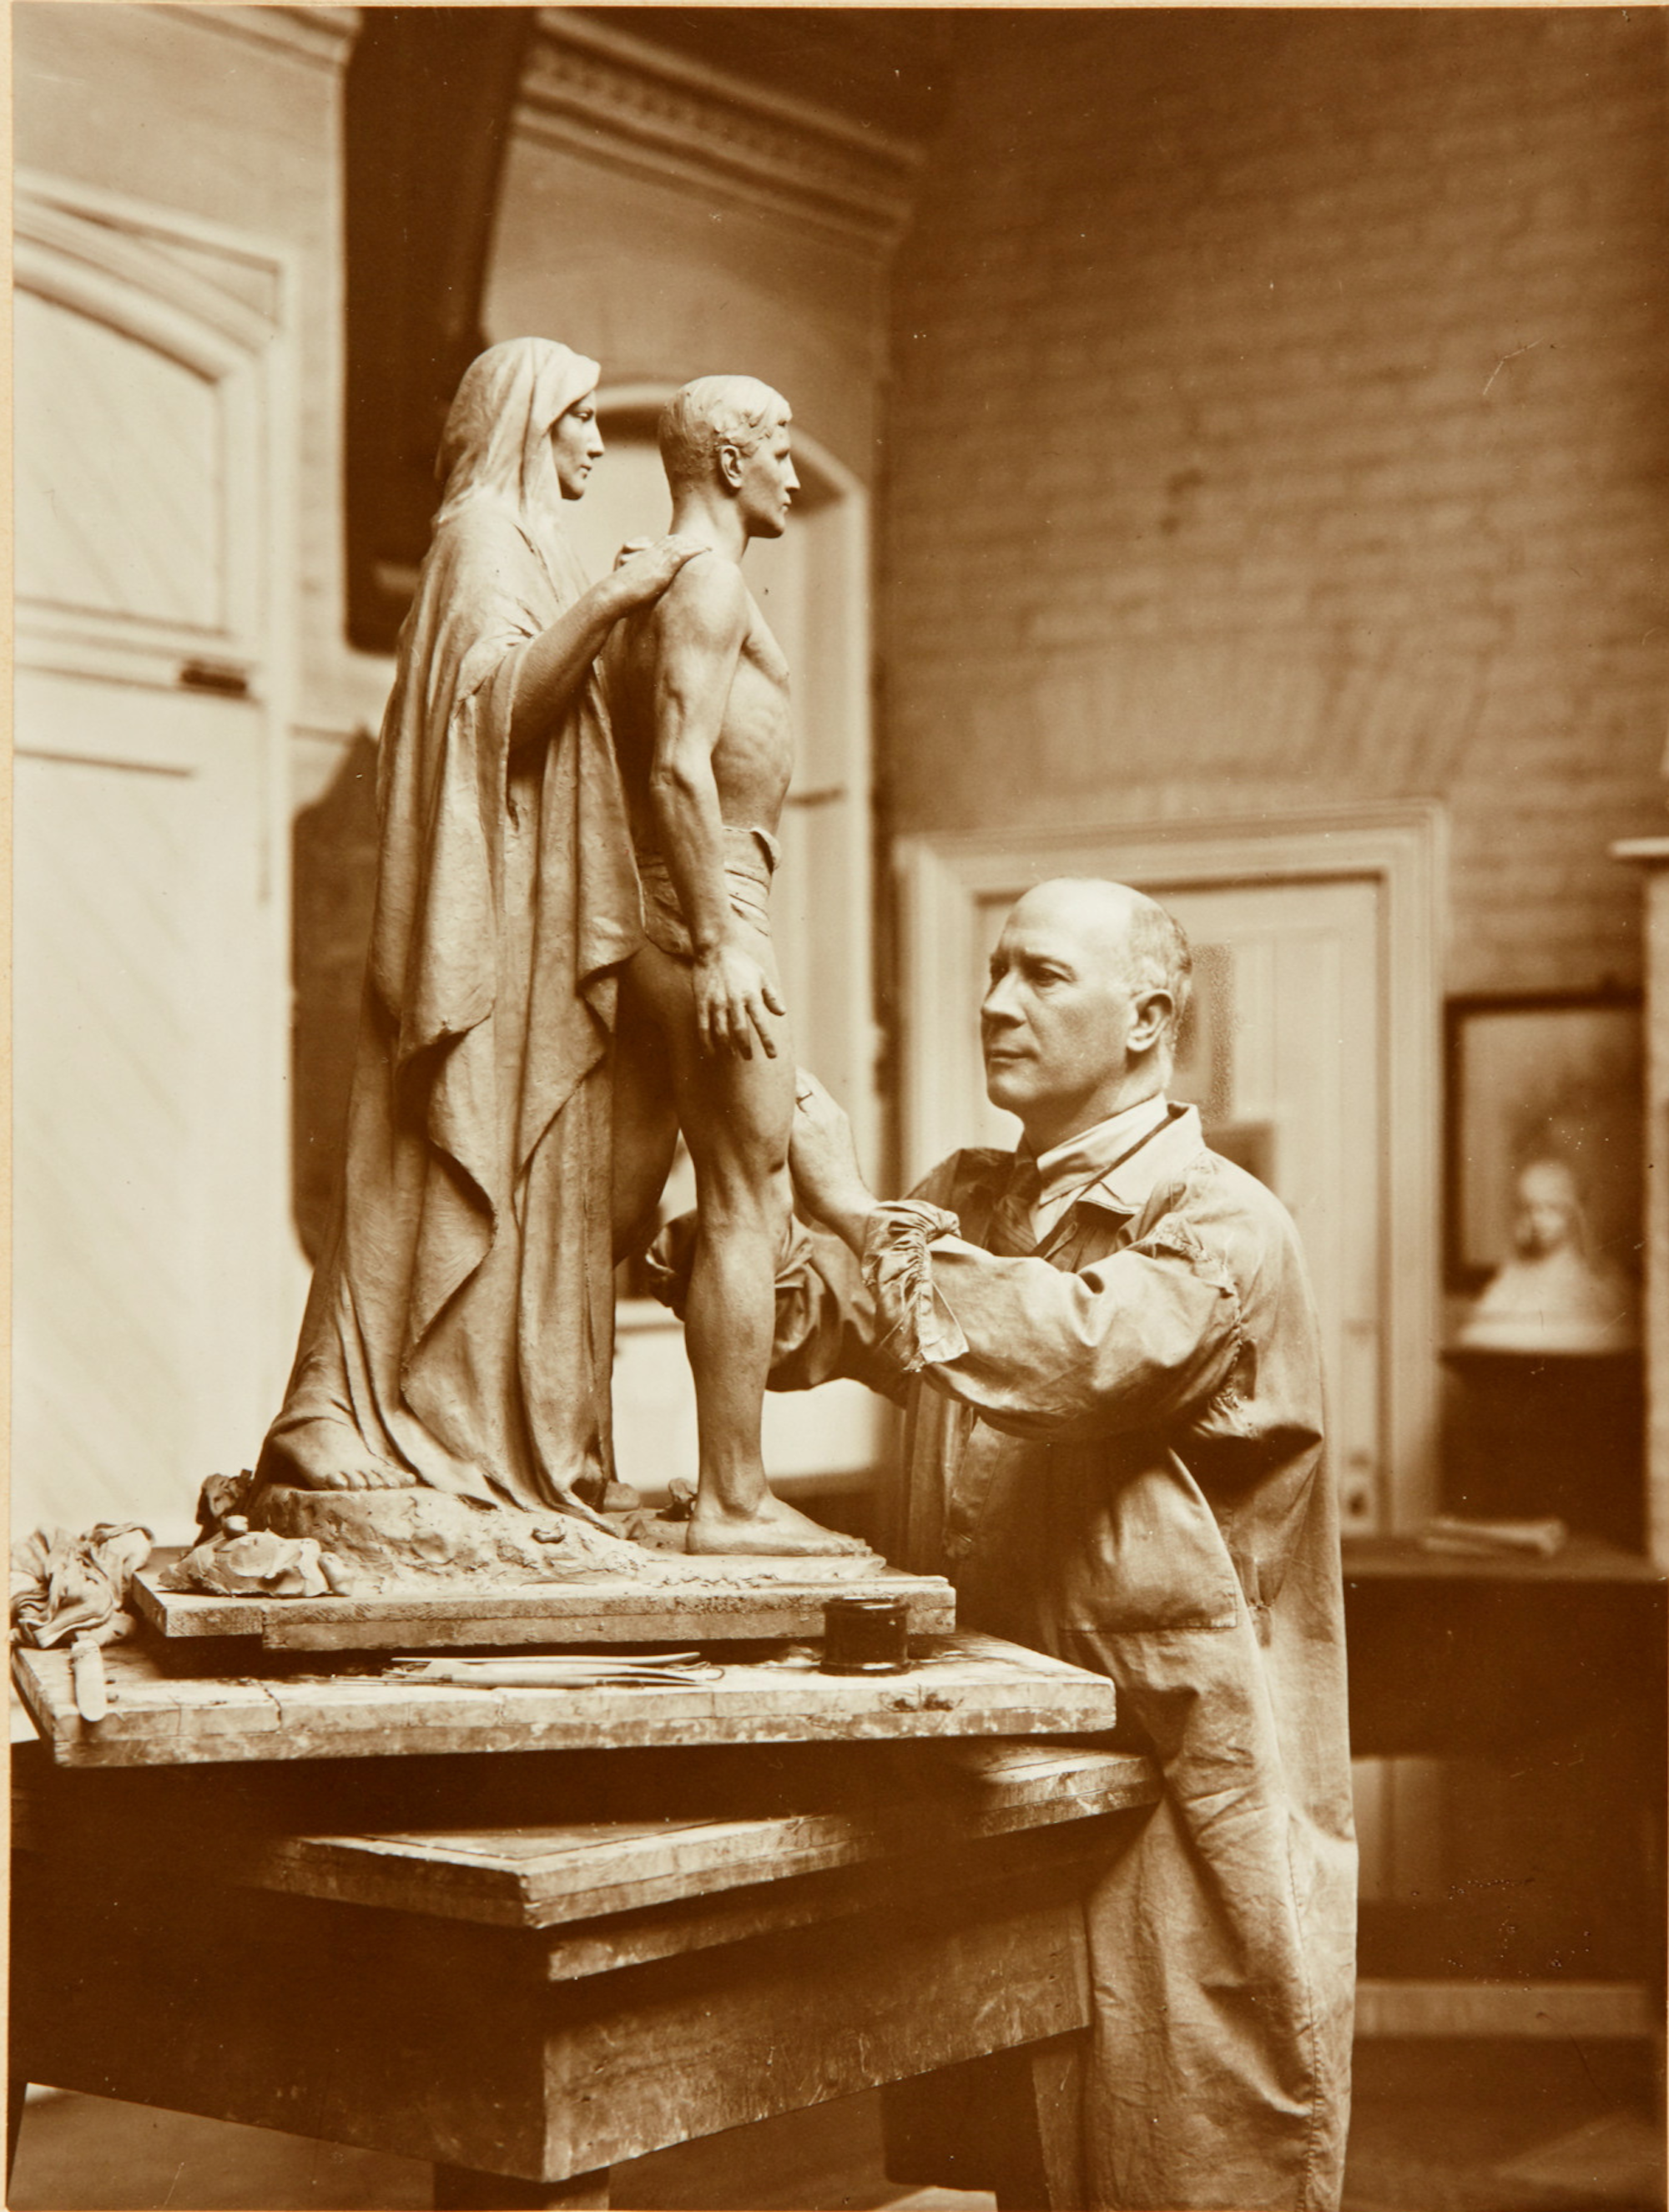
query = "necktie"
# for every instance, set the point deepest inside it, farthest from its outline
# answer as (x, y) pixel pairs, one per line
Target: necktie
(1010, 1235)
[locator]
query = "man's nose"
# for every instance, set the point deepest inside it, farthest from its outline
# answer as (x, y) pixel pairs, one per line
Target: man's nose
(997, 1005)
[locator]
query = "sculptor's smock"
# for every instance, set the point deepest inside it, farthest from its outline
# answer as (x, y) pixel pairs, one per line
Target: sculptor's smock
(460, 1326)
(1116, 1451)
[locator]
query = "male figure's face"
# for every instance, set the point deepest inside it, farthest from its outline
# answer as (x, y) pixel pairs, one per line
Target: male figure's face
(1056, 1021)
(765, 481)
(576, 444)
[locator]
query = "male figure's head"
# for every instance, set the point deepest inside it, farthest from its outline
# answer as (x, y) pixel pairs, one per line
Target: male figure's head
(1088, 983)
(725, 439)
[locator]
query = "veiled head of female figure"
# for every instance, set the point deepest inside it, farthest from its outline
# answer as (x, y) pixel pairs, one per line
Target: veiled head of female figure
(496, 444)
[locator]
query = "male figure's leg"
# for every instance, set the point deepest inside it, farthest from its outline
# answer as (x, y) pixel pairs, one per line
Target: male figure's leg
(645, 1122)
(736, 1116)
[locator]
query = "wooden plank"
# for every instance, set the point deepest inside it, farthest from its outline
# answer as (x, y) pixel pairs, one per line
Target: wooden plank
(831, 1810)
(963, 1686)
(688, 1601)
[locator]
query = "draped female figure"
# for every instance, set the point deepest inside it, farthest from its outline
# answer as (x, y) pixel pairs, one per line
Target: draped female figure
(459, 1331)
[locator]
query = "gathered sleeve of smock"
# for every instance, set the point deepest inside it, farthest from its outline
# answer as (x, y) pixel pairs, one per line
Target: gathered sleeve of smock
(1148, 1333)
(825, 1320)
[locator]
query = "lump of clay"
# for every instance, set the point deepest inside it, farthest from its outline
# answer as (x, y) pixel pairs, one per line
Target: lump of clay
(252, 1563)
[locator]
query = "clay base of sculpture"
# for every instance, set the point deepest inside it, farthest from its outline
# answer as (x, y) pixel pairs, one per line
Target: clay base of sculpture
(386, 1536)
(380, 1538)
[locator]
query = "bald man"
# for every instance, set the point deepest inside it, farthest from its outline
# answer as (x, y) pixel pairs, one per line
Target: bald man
(1109, 1349)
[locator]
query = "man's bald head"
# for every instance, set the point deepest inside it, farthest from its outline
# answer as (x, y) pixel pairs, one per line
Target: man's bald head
(1123, 928)
(1087, 985)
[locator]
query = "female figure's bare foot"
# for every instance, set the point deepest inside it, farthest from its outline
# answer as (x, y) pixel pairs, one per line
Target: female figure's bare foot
(322, 1455)
(772, 1531)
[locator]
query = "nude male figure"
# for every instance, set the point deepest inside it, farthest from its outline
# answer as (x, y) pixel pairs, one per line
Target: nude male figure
(699, 698)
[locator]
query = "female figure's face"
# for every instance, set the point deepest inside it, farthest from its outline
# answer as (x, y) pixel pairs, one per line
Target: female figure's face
(576, 446)
(1549, 1210)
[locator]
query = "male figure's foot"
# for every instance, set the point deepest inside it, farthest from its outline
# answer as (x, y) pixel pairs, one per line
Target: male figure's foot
(772, 1531)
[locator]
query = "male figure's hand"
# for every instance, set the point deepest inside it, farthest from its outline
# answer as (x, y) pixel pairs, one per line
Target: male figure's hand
(644, 566)
(828, 1184)
(733, 995)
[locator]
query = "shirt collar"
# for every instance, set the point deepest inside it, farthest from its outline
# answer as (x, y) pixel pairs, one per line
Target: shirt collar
(1126, 1189)
(1087, 1157)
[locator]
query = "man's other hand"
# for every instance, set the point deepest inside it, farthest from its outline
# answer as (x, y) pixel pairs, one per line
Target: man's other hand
(733, 995)
(828, 1185)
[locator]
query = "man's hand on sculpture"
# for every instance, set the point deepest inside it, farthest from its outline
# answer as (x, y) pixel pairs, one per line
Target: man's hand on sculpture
(733, 994)
(828, 1184)
(645, 565)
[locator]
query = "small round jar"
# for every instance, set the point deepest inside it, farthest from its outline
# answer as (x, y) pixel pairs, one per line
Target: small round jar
(867, 1636)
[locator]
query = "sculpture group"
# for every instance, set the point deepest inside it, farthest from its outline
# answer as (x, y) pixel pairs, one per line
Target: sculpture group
(579, 789)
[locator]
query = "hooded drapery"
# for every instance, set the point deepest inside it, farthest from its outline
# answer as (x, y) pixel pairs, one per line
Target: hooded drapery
(460, 1327)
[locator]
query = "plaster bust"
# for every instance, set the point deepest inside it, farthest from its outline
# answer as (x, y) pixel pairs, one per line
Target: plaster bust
(1555, 1294)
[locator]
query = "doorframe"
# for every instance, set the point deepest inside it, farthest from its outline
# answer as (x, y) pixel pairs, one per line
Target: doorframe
(941, 879)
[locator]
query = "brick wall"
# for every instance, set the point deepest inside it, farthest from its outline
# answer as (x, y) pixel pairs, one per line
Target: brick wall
(1280, 417)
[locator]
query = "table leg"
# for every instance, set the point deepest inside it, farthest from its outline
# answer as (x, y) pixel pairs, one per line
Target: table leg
(17, 2089)
(1009, 2124)
(458, 2189)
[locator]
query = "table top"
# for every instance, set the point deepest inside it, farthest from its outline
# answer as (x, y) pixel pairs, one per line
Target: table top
(958, 1686)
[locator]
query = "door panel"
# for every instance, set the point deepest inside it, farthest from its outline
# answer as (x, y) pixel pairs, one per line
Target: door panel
(145, 1094)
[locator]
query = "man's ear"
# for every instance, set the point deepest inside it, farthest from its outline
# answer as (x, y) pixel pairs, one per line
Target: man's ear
(730, 466)
(1155, 1015)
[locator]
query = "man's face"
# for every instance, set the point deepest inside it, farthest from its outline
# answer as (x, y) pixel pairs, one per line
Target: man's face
(767, 483)
(1055, 1023)
(576, 446)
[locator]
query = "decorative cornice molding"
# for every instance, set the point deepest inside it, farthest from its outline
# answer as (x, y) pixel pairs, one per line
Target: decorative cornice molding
(323, 36)
(614, 98)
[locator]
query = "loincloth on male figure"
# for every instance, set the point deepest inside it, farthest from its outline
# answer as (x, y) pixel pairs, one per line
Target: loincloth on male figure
(752, 859)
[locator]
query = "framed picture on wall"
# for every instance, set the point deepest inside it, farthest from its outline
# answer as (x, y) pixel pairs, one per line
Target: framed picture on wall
(1534, 1082)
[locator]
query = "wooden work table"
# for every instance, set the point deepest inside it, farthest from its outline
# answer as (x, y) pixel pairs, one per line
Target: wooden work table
(529, 1968)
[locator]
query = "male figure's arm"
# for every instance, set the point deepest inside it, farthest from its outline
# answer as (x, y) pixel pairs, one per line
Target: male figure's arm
(695, 635)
